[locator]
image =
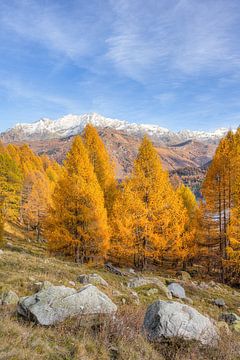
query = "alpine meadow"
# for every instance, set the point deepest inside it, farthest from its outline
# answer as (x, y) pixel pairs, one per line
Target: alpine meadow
(119, 180)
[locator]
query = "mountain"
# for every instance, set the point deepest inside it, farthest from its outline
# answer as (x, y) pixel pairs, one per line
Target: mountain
(70, 125)
(185, 154)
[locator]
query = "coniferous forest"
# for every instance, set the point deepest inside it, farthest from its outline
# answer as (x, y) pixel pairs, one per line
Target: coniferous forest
(80, 210)
(77, 246)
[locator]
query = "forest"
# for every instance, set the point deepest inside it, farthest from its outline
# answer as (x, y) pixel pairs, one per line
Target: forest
(81, 212)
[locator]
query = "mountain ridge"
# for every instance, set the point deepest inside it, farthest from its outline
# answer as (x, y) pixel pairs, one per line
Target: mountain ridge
(70, 125)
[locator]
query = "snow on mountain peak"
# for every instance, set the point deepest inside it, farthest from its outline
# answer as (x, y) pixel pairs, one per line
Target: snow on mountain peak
(71, 124)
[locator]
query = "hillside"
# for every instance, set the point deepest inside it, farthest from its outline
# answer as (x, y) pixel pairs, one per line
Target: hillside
(25, 263)
(123, 149)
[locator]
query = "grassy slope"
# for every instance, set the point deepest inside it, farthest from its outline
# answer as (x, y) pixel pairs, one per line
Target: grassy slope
(24, 263)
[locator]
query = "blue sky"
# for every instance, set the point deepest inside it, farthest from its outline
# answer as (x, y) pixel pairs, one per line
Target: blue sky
(175, 63)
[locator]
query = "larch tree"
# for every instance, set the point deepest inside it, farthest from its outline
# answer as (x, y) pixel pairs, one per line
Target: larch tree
(1, 223)
(188, 249)
(232, 264)
(148, 217)
(218, 192)
(10, 186)
(37, 202)
(102, 164)
(77, 222)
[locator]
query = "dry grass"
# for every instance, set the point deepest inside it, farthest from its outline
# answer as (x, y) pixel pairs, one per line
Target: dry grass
(119, 338)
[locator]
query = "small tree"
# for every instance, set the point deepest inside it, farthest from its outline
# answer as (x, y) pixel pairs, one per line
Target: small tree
(1, 222)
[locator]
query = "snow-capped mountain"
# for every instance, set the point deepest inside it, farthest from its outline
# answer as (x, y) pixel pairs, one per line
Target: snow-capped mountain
(74, 124)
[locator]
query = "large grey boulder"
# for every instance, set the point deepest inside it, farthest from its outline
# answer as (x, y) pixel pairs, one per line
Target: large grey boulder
(141, 281)
(167, 319)
(177, 290)
(93, 279)
(56, 303)
(9, 298)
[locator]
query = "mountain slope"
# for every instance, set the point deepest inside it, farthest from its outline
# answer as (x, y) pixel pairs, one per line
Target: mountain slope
(74, 124)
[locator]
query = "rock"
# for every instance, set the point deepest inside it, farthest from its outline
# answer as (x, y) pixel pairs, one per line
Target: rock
(114, 269)
(135, 297)
(72, 283)
(56, 303)
(123, 301)
(131, 271)
(9, 298)
(183, 275)
(193, 273)
(151, 292)
(203, 285)
(93, 279)
(219, 302)
(229, 318)
(166, 319)
(141, 281)
(1, 252)
(177, 290)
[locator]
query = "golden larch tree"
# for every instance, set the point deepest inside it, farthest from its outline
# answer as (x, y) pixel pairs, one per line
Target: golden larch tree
(102, 164)
(77, 222)
(148, 216)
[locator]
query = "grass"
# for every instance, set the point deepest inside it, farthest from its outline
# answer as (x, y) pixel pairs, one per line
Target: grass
(26, 262)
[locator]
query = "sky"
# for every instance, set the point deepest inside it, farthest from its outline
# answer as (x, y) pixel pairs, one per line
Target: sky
(174, 63)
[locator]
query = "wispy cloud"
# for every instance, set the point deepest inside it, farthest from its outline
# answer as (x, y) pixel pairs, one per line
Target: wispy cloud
(179, 38)
(15, 88)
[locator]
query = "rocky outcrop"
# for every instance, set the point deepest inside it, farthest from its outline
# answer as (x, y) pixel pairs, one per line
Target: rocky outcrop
(56, 303)
(167, 319)
(93, 279)
(114, 270)
(177, 290)
(142, 281)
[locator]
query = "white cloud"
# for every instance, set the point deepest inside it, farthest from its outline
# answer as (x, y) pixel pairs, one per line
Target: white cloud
(15, 88)
(180, 38)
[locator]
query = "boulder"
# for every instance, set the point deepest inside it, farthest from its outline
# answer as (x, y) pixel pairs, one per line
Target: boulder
(56, 303)
(167, 319)
(219, 302)
(141, 281)
(9, 298)
(113, 269)
(183, 275)
(93, 279)
(229, 318)
(177, 290)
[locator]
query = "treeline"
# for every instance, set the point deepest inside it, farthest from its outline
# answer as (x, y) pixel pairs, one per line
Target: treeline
(221, 210)
(27, 183)
(84, 213)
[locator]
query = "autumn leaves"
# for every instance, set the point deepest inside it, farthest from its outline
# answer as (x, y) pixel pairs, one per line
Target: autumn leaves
(83, 212)
(92, 217)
